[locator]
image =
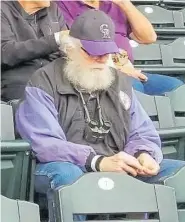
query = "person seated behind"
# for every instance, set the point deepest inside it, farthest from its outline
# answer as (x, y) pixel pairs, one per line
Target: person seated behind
(80, 115)
(130, 23)
(28, 41)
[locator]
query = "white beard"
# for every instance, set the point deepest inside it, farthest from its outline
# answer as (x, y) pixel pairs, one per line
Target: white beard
(87, 77)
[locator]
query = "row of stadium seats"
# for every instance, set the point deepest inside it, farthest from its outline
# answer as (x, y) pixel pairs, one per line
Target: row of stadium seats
(166, 59)
(167, 113)
(109, 193)
(168, 4)
(168, 24)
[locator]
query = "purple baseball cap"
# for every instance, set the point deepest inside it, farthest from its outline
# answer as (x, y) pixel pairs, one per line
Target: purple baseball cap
(96, 31)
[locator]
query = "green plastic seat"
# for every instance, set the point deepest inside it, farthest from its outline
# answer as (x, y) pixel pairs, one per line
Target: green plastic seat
(18, 211)
(168, 24)
(167, 59)
(113, 194)
(16, 160)
(160, 110)
(177, 181)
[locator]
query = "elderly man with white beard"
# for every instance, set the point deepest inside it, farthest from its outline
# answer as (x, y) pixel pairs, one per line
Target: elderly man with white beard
(80, 115)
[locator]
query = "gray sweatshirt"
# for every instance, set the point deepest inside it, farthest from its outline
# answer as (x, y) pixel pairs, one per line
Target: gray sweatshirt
(27, 43)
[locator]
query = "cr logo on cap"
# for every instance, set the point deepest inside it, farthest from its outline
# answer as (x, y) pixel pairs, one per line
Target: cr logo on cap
(104, 28)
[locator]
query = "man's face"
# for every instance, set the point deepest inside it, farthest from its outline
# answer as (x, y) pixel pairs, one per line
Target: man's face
(99, 61)
(89, 72)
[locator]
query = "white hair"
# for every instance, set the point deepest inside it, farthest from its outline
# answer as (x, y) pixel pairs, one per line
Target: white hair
(68, 42)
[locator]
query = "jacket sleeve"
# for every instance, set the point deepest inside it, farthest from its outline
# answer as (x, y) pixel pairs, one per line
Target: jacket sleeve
(143, 135)
(37, 122)
(14, 52)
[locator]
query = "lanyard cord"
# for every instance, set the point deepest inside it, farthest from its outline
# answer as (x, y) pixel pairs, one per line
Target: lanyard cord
(85, 107)
(86, 110)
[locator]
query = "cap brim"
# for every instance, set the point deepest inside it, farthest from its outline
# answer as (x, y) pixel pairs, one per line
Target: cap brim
(99, 48)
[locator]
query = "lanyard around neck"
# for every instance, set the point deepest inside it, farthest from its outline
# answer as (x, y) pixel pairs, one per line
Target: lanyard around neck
(86, 109)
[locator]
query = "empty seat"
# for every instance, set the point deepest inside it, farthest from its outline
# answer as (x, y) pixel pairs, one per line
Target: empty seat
(177, 100)
(173, 54)
(115, 193)
(168, 24)
(161, 112)
(147, 55)
(18, 211)
(177, 181)
(15, 159)
(144, 2)
(173, 4)
(168, 59)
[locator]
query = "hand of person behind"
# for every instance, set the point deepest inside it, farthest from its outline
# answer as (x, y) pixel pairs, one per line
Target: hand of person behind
(122, 63)
(121, 162)
(135, 73)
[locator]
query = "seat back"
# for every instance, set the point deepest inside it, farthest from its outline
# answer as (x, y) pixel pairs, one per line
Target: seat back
(174, 4)
(115, 193)
(147, 55)
(7, 124)
(161, 112)
(15, 158)
(159, 17)
(177, 181)
(14, 104)
(177, 100)
(173, 54)
(149, 105)
(158, 108)
(18, 211)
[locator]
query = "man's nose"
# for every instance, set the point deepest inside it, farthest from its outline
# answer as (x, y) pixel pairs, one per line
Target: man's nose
(101, 59)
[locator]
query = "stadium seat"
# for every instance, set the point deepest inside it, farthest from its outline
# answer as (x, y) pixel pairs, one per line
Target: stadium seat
(161, 113)
(177, 100)
(168, 24)
(18, 211)
(16, 164)
(167, 59)
(173, 54)
(113, 194)
(177, 181)
(167, 4)
(144, 2)
(173, 4)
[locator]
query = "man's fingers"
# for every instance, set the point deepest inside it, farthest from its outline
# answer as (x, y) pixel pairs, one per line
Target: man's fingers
(129, 160)
(151, 172)
(134, 163)
(129, 169)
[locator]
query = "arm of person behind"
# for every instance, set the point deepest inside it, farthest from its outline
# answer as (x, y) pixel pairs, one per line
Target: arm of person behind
(143, 135)
(141, 29)
(14, 52)
(37, 123)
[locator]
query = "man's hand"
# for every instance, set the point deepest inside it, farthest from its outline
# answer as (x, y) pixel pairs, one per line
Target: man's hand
(150, 166)
(121, 162)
